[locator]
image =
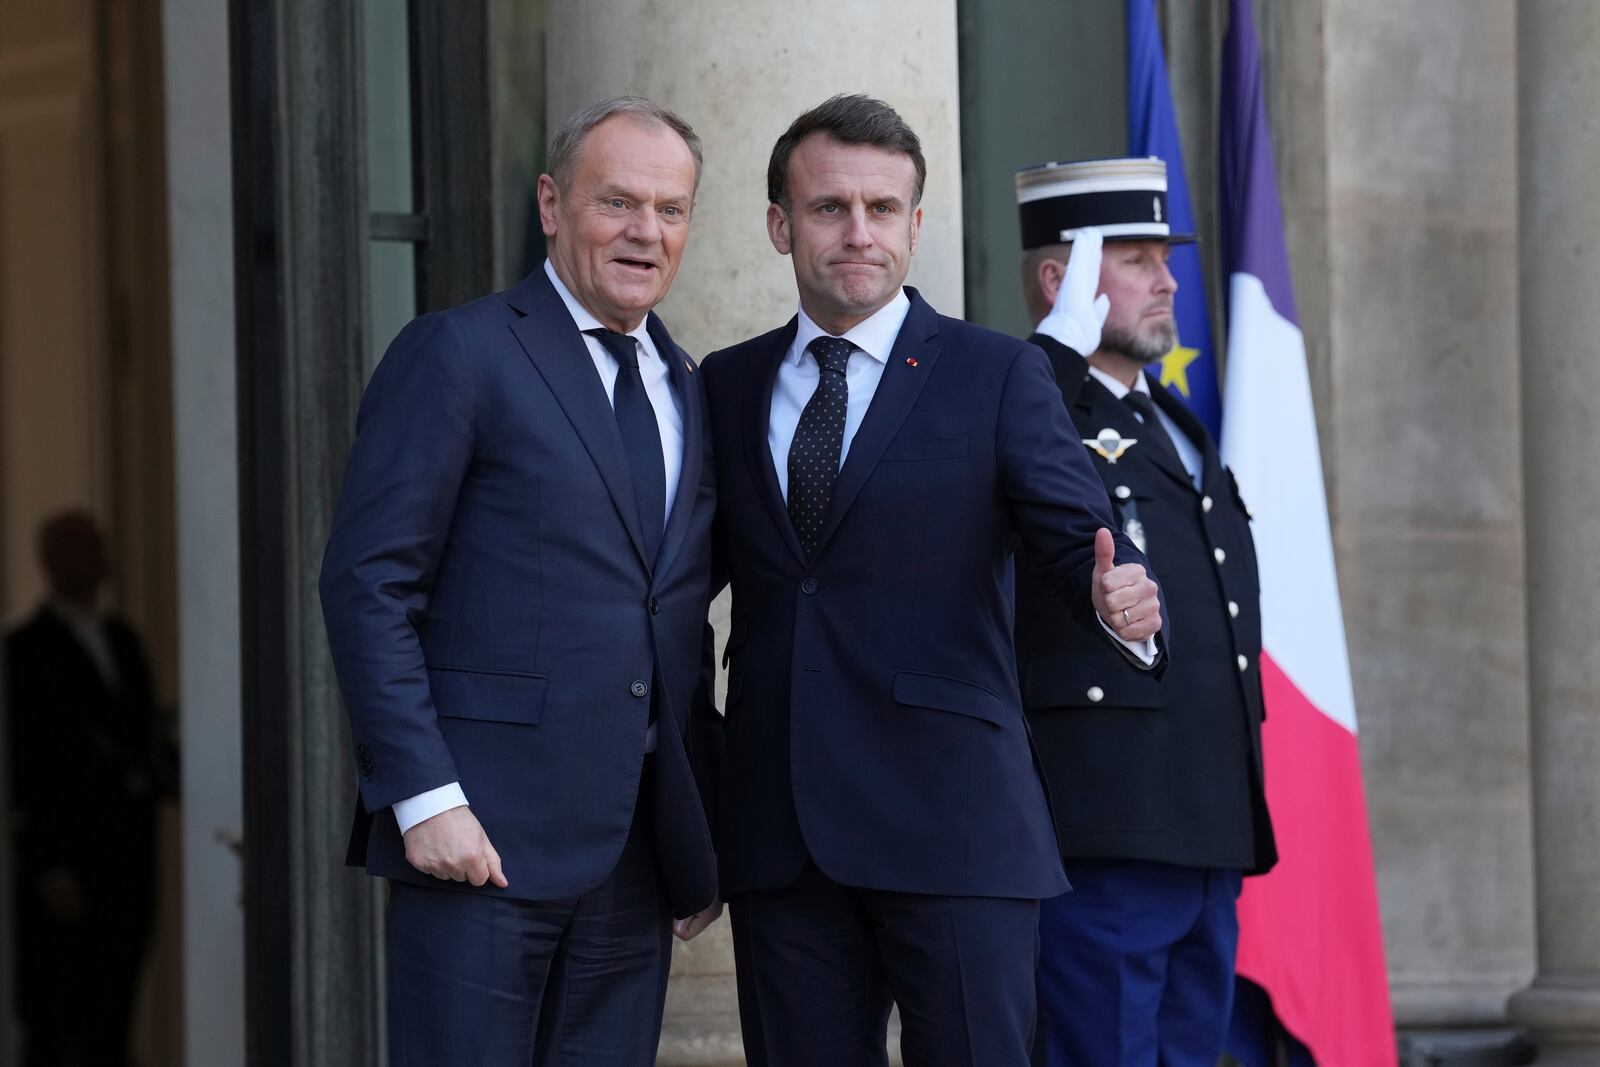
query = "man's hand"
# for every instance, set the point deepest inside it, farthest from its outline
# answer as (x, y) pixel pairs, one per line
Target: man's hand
(690, 928)
(452, 845)
(1125, 596)
(1078, 314)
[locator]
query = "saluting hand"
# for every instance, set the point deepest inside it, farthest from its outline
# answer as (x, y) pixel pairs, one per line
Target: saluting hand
(452, 845)
(1078, 314)
(1124, 596)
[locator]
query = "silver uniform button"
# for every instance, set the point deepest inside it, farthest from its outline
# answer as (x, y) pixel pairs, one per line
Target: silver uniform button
(1244, 663)
(1095, 694)
(1123, 492)
(1220, 556)
(1205, 504)
(1233, 609)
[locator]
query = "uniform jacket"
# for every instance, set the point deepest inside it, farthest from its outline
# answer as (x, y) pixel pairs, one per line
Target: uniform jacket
(490, 611)
(1164, 768)
(873, 719)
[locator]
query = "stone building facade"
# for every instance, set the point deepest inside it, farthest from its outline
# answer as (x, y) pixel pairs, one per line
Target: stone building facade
(1440, 172)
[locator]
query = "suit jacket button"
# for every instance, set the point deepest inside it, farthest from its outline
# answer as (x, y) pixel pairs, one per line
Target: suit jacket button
(1095, 694)
(1244, 663)
(809, 586)
(1205, 504)
(1233, 609)
(1123, 492)
(638, 688)
(654, 607)
(1220, 556)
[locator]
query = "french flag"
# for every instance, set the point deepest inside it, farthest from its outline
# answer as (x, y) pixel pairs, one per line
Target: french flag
(1309, 930)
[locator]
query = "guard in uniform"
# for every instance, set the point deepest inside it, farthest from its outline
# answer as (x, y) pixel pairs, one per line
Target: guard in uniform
(1156, 780)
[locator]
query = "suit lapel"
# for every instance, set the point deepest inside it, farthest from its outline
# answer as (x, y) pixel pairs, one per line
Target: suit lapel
(906, 373)
(1192, 428)
(87, 666)
(759, 383)
(688, 394)
(1100, 408)
(557, 350)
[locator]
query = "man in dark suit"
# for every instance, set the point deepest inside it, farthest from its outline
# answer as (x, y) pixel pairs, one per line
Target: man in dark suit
(883, 832)
(1156, 780)
(84, 784)
(515, 592)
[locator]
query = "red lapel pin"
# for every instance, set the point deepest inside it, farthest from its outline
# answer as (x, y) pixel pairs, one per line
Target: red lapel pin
(911, 361)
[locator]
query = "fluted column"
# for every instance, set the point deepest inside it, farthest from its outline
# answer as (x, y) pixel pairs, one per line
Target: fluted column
(1559, 177)
(739, 72)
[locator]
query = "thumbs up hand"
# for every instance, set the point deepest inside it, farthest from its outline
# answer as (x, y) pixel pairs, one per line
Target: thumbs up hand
(1124, 596)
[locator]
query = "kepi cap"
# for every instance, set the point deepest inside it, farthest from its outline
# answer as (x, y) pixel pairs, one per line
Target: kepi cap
(1125, 199)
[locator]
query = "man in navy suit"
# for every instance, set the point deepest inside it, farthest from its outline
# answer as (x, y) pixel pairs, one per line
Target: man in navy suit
(883, 831)
(515, 592)
(1157, 782)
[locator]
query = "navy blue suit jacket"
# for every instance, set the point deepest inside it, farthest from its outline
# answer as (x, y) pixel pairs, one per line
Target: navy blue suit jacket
(491, 614)
(873, 717)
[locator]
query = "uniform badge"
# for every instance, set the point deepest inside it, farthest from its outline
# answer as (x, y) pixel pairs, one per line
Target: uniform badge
(1110, 444)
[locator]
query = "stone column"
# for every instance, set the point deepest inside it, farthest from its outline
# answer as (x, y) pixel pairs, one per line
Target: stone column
(1558, 79)
(1422, 443)
(739, 73)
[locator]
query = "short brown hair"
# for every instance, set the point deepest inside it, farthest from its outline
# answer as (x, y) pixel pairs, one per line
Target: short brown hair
(567, 144)
(849, 118)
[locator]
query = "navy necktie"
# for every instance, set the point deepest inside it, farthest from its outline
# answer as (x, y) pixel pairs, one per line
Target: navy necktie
(818, 441)
(1156, 433)
(641, 438)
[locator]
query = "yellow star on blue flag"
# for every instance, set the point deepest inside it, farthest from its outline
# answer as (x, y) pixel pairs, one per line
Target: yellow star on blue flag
(1175, 367)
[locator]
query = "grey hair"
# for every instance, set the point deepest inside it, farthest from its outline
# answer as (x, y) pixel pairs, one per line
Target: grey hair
(567, 144)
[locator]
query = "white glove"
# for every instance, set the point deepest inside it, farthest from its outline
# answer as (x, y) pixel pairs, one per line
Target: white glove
(1076, 319)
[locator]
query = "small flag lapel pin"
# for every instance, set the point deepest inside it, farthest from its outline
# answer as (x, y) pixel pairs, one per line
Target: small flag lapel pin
(911, 361)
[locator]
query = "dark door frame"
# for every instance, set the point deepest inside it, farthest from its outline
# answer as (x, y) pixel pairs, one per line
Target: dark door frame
(313, 937)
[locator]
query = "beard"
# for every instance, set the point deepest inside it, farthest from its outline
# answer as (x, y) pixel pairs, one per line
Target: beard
(1141, 347)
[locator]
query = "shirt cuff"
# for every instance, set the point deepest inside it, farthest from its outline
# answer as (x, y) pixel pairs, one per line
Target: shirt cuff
(1144, 651)
(425, 806)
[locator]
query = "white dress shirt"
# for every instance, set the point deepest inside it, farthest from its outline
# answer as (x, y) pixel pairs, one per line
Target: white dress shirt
(669, 419)
(798, 375)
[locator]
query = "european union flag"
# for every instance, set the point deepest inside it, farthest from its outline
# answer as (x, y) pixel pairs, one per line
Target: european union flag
(1190, 369)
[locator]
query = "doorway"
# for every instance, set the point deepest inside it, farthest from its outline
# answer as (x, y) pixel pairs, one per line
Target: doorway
(85, 377)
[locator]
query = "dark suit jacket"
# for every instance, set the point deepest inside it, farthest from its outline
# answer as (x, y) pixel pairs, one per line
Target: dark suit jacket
(873, 719)
(1157, 768)
(84, 776)
(491, 614)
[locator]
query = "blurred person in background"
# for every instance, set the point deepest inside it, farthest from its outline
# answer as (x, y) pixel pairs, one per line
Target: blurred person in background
(85, 778)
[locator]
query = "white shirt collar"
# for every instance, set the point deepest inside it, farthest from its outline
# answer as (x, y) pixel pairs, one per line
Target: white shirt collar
(1118, 389)
(585, 319)
(874, 334)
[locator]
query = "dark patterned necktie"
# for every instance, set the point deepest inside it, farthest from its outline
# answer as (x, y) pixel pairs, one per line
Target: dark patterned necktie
(818, 440)
(641, 438)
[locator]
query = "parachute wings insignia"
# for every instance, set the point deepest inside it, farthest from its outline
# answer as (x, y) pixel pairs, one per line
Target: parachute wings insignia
(1110, 444)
